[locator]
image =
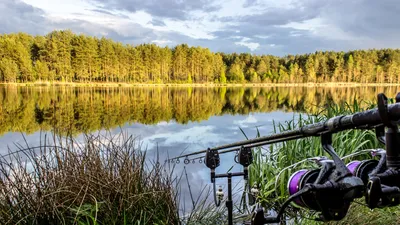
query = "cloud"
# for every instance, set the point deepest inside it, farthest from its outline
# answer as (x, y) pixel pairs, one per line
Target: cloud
(245, 122)
(256, 26)
(193, 135)
(246, 42)
(164, 123)
(156, 22)
(174, 9)
(102, 11)
(162, 42)
(16, 16)
(262, 36)
(373, 23)
(106, 12)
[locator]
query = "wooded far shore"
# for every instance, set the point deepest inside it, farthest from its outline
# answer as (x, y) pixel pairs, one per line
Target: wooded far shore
(118, 84)
(62, 56)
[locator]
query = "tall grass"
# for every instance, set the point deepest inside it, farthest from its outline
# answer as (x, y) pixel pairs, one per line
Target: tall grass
(272, 168)
(101, 180)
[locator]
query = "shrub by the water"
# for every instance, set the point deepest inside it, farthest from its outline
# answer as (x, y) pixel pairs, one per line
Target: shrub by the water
(101, 180)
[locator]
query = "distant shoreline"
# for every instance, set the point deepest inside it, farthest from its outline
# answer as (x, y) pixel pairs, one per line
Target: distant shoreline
(110, 84)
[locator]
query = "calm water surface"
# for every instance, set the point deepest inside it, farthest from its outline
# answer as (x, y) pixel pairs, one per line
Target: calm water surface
(170, 119)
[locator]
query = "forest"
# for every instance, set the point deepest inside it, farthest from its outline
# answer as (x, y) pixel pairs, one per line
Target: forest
(67, 57)
(87, 109)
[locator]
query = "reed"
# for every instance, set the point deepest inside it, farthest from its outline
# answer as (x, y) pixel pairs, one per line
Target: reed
(100, 180)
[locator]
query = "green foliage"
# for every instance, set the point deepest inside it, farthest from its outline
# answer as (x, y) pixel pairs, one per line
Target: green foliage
(8, 70)
(236, 73)
(310, 70)
(222, 77)
(79, 58)
(189, 80)
(41, 70)
(254, 77)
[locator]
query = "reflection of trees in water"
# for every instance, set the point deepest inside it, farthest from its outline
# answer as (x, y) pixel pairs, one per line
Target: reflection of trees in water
(87, 109)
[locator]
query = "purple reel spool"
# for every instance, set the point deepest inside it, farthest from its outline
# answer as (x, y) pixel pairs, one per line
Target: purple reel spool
(352, 166)
(297, 181)
(294, 185)
(361, 169)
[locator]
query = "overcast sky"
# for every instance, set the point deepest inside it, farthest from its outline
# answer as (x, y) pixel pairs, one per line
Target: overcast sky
(277, 27)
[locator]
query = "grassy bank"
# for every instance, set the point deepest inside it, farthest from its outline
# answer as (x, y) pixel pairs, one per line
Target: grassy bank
(271, 169)
(122, 84)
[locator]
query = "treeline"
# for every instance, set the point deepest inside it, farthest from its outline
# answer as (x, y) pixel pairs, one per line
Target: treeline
(67, 57)
(76, 110)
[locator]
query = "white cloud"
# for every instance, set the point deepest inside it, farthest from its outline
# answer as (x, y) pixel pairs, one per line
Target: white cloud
(236, 37)
(204, 135)
(251, 45)
(319, 27)
(295, 26)
(295, 33)
(246, 42)
(262, 36)
(165, 123)
(245, 123)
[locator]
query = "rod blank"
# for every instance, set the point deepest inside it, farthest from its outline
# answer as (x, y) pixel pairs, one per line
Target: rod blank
(360, 120)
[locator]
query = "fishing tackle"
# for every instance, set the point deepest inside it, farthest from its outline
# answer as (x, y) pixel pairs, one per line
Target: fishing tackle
(382, 178)
(328, 190)
(186, 161)
(332, 187)
(368, 119)
(212, 161)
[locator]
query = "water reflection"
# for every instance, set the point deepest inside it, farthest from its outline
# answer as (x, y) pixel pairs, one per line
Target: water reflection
(172, 120)
(172, 138)
(77, 110)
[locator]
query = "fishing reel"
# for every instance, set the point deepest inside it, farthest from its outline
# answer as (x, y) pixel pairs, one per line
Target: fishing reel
(382, 178)
(381, 183)
(328, 190)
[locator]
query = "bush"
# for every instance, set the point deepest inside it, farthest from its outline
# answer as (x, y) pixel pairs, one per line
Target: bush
(103, 180)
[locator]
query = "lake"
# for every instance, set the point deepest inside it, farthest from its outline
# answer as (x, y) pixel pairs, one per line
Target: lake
(170, 119)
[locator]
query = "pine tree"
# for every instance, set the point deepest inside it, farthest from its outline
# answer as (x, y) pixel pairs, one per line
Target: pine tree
(310, 71)
(254, 77)
(350, 67)
(8, 70)
(189, 80)
(41, 71)
(222, 77)
(64, 56)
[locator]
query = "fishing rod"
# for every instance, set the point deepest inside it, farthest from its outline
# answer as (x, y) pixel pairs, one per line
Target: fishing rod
(187, 160)
(361, 120)
(330, 189)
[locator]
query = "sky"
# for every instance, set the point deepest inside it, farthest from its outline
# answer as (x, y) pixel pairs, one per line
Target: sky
(255, 26)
